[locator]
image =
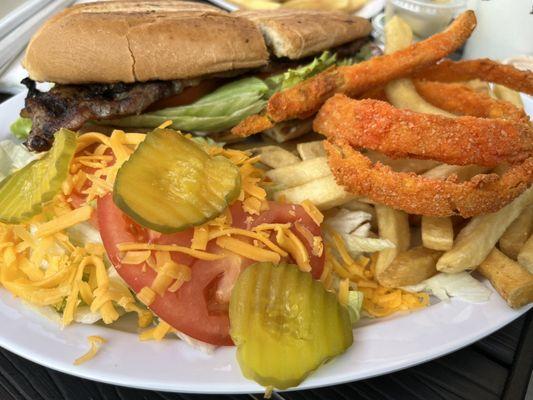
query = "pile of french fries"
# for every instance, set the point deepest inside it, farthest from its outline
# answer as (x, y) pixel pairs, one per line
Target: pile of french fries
(333, 5)
(498, 245)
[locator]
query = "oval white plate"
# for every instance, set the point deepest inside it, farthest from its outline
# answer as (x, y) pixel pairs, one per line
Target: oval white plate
(380, 346)
(369, 10)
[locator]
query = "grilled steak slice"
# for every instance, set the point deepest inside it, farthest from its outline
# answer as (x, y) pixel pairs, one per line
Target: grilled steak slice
(70, 106)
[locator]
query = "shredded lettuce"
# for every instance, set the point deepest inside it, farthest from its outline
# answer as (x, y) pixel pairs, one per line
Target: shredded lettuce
(354, 228)
(357, 245)
(204, 347)
(366, 52)
(21, 128)
(13, 156)
(83, 233)
(355, 304)
(461, 285)
(219, 110)
(292, 77)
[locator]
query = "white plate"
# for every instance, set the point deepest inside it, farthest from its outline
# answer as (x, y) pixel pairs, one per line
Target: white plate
(369, 10)
(380, 346)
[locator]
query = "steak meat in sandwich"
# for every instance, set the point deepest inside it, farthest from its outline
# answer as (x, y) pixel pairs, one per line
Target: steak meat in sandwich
(140, 63)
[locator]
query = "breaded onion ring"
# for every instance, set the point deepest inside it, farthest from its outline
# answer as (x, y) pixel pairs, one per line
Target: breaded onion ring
(483, 69)
(377, 125)
(416, 194)
(304, 99)
(460, 99)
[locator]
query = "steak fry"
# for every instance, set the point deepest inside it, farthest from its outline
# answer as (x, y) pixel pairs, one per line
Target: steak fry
(70, 106)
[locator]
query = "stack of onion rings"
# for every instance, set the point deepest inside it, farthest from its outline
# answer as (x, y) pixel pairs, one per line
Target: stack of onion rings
(351, 125)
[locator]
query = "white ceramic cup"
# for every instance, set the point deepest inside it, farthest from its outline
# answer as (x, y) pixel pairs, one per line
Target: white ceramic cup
(504, 29)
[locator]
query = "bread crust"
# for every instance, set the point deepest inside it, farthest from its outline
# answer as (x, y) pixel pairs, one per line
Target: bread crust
(128, 41)
(300, 33)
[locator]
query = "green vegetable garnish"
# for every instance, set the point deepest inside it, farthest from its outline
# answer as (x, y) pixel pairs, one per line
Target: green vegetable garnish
(285, 324)
(170, 183)
(21, 128)
(23, 193)
(230, 104)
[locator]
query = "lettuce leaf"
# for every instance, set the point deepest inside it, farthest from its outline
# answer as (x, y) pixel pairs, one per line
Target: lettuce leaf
(461, 285)
(229, 104)
(21, 128)
(354, 228)
(13, 156)
(355, 304)
(219, 110)
(83, 233)
(292, 77)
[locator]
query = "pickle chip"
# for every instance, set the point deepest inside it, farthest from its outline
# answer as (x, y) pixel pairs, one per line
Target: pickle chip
(23, 193)
(170, 183)
(285, 324)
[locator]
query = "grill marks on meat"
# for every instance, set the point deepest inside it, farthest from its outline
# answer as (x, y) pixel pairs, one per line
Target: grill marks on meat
(70, 106)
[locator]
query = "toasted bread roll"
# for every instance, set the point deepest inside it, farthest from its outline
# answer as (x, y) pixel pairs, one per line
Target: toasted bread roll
(300, 33)
(128, 41)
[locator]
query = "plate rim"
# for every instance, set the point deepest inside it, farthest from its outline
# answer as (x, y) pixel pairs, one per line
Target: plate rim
(240, 385)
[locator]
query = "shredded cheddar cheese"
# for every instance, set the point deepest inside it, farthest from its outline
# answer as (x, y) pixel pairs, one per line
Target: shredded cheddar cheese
(378, 301)
(96, 343)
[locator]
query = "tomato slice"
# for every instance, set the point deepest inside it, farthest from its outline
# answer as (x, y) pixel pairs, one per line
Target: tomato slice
(282, 214)
(199, 307)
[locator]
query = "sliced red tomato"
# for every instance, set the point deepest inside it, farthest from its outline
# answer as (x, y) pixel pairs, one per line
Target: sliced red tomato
(282, 214)
(199, 307)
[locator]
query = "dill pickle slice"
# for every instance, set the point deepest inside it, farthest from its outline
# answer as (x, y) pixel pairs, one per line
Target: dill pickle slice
(23, 193)
(170, 183)
(285, 324)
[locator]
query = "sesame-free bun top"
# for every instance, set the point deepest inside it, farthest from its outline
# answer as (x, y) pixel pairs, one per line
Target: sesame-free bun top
(300, 33)
(129, 41)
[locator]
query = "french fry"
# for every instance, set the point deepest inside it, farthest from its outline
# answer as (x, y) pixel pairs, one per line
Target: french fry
(512, 281)
(517, 234)
(394, 226)
(257, 4)
(288, 130)
(402, 164)
(478, 237)
(275, 156)
(464, 173)
(339, 5)
(301, 173)
(410, 267)
(525, 257)
(310, 150)
(437, 233)
(324, 193)
(402, 93)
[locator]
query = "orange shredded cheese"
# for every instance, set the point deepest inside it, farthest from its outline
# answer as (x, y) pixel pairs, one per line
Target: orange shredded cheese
(247, 250)
(313, 212)
(290, 242)
(201, 255)
(96, 343)
(146, 295)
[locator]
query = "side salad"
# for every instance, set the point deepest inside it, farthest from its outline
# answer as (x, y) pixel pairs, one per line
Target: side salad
(186, 234)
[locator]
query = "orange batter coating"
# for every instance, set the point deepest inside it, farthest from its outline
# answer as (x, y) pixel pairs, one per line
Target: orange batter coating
(483, 69)
(304, 99)
(416, 194)
(460, 99)
(378, 126)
